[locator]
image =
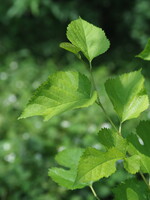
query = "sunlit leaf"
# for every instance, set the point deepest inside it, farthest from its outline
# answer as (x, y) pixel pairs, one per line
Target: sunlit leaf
(109, 139)
(90, 39)
(132, 164)
(61, 92)
(95, 164)
(127, 94)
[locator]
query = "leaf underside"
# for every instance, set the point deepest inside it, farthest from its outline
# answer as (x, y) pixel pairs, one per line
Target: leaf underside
(127, 94)
(70, 47)
(61, 92)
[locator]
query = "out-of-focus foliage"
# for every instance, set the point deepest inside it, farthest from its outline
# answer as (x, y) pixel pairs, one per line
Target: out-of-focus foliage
(39, 25)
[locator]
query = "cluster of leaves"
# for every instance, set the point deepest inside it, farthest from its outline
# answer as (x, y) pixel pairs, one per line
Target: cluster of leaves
(69, 90)
(27, 146)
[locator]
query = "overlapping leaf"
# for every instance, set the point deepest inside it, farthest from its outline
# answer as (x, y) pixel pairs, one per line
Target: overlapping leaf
(145, 54)
(61, 92)
(87, 38)
(132, 164)
(139, 145)
(66, 177)
(95, 164)
(127, 94)
(132, 190)
(109, 139)
(70, 47)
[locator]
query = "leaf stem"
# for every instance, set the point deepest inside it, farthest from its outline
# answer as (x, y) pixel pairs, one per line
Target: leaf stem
(144, 179)
(94, 193)
(120, 126)
(98, 99)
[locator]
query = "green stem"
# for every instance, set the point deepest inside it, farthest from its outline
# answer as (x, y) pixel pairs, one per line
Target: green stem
(94, 193)
(98, 99)
(144, 179)
(120, 126)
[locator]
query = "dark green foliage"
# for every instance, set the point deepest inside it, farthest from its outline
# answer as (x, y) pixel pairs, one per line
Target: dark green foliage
(30, 25)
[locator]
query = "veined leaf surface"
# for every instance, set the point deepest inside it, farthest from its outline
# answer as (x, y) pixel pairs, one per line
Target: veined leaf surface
(68, 158)
(95, 164)
(127, 94)
(109, 139)
(90, 39)
(145, 54)
(61, 92)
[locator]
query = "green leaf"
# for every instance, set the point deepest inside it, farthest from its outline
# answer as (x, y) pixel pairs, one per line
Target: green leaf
(61, 92)
(70, 47)
(69, 159)
(127, 94)
(145, 54)
(90, 39)
(143, 131)
(132, 164)
(95, 164)
(109, 139)
(132, 189)
(139, 145)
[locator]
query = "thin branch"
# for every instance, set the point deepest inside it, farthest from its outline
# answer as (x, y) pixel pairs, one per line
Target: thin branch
(94, 193)
(98, 99)
(144, 179)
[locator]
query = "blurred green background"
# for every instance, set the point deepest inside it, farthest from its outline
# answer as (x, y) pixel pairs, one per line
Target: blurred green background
(30, 33)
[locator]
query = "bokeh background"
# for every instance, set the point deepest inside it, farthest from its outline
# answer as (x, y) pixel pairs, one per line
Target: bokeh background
(30, 33)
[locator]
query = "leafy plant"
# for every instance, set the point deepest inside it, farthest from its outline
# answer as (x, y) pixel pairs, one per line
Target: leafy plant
(69, 90)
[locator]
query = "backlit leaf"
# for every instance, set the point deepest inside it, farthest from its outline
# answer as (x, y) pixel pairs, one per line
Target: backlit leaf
(127, 94)
(61, 92)
(90, 39)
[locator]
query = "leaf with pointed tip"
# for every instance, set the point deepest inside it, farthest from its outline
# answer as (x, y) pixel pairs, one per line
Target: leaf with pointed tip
(132, 164)
(132, 189)
(90, 39)
(61, 92)
(109, 139)
(95, 164)
(145, 54)
(139, 145)
(70, 47)
(69, 159)
(127, 94)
